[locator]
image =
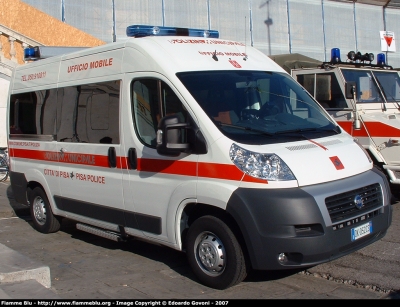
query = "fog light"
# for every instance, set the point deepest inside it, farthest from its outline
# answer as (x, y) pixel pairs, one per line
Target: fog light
(282, 258)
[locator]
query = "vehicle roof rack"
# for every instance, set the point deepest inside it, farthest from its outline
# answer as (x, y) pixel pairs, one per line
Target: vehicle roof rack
(355, 64)
(356, 59)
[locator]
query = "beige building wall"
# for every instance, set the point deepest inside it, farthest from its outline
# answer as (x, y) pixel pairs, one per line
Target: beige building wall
(35, 25)
(21, 26)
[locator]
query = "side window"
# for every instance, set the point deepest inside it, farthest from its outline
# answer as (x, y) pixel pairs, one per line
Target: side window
(67, 98)
(328, 92)
(48, 112)
(151, 100)
(25, 113)
(86, 113)
(308, 82)
(145, 109)
(325, 89)
(171, 103)
(89, 113)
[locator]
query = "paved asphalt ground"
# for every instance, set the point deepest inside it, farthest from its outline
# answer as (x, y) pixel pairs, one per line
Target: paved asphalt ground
(73, 265)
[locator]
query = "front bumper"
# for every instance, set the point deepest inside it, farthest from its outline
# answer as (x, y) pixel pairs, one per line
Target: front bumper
(297, 222)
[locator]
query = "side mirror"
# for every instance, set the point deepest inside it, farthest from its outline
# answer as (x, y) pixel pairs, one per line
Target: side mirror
(350, 88)
(170, 136)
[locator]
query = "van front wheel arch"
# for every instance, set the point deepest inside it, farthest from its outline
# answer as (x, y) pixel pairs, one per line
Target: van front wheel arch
(214, 253)
(43, 219)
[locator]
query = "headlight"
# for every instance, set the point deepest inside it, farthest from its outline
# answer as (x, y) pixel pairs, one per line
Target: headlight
(260, 165)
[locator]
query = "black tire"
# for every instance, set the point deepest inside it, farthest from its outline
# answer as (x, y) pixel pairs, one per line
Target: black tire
(42, 217)
(215, 254)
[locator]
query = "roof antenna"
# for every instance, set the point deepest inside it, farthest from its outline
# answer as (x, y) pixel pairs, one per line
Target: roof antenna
(214, 56)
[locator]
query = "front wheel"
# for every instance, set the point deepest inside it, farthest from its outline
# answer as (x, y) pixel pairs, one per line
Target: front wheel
(214, 253)
(43, 219)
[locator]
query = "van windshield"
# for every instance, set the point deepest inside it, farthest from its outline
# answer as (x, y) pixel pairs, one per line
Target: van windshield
(249, 106)
(390, 84)
(371, 83)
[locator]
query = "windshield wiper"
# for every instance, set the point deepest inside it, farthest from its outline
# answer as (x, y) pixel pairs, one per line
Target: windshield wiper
(296, 130)
(245, 128)
(336, 130)
(300, 130)
(293, 132)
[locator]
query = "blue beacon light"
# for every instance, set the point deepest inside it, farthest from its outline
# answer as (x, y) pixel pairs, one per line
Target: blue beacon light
(144, 30)
(335, 55)
(31, 53)
(381, 59)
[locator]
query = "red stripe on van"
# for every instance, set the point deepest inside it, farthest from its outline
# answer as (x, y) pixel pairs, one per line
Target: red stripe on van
(225, 171)
(70, 158)
(122, 162)
(184, 168)
(220, 171)
(26, 154)
(375, 129)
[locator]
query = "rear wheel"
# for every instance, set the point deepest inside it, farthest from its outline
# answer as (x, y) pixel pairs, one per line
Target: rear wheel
(215, 254)
(43, 219)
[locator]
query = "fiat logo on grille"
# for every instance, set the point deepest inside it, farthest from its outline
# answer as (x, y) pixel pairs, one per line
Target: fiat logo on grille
(358, 202)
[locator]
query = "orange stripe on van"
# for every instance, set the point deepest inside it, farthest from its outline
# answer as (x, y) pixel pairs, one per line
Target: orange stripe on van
(68, 157)
(220, 171)
(225, 171)
(375, 129)
(26, 154)
(184, 168)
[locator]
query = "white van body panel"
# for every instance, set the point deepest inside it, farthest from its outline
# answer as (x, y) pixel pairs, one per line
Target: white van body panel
(385, 148)
(132, 139)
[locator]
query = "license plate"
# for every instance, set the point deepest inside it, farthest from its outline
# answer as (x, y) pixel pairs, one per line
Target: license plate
(361, 231)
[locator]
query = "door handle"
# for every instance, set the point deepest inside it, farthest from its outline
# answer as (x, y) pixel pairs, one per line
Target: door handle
(112, 157)
(132, 158)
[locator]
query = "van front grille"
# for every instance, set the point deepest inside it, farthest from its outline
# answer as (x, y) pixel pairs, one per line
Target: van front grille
(342, 206)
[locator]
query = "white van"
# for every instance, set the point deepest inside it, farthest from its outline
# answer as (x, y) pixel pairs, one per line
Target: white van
(363, 98)
(198, 143)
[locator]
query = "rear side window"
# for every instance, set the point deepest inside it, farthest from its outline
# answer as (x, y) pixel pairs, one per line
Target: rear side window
(325, 89)
(87, 113)
(22, 110)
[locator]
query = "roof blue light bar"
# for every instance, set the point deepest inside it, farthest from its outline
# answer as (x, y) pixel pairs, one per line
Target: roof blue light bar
(143, 30)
